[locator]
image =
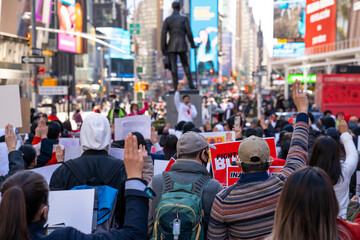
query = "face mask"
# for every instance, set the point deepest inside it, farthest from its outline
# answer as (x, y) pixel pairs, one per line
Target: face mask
(187, 102)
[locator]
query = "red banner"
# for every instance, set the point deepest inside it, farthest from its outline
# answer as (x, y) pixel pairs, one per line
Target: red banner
(224, 157)
(320, 23)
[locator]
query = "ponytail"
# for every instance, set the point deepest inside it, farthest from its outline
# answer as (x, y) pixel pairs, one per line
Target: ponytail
(13, 223)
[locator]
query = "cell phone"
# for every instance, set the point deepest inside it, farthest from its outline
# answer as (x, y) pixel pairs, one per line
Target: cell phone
(237, 123)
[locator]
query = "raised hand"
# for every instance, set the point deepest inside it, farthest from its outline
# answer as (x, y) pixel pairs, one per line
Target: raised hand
(41, 130)
(133, 158)
(343, 127)
(299, 97)
(228, 137)
(10, 137)
(153, 137)
(59, 153)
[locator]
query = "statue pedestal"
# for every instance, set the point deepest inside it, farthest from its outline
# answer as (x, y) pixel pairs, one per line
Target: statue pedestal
(172, 114)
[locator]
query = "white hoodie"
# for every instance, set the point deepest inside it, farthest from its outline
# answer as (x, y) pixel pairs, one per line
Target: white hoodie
(95, 133)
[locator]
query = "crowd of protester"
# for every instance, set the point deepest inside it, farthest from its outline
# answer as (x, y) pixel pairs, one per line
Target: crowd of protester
(312, 197)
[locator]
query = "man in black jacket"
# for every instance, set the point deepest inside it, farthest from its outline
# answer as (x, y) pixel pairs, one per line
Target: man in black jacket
(178, 27)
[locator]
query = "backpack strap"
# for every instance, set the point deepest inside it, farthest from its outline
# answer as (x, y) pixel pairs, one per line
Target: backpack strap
(71, 165)
(199, 185)
(168, 182)
(113, 171)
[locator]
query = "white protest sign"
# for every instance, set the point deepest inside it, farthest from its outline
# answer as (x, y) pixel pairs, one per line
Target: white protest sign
(126, 125)
(74, 208)
(175, 132)
(69, 142)
(117, 153)
(72, 152)
(160, 166)
(46, 171)
(4, 159)
(217, 137)
(10, 106)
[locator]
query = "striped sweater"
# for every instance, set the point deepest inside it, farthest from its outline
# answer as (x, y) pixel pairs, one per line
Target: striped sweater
(246, 209)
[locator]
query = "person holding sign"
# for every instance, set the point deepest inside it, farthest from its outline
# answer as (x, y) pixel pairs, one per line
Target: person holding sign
(246, 209)
(24, 207)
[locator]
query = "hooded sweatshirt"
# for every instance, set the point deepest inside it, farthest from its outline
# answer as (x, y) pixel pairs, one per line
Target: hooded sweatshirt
(95, 133)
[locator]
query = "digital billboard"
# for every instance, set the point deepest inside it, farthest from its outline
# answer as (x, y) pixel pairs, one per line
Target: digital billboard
(226, 50)
(289, 28)
(119, 38)
(288, 50)
(320, 22)
(204, 26)
(347, 19)
(71, 18)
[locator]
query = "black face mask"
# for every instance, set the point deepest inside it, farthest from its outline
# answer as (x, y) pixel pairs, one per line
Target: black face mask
(186, 103)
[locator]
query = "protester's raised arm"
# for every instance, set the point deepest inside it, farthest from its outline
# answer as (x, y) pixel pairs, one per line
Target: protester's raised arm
(298, 155)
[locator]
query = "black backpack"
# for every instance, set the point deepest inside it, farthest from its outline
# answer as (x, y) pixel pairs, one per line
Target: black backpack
(110, 223)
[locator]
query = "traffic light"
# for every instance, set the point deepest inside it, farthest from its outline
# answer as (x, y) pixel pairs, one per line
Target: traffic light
(211, 71)
(29, 39)
(99, 81)
(144, 86)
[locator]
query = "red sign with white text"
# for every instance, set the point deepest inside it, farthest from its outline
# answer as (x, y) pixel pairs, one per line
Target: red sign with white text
(224, 157)
(320, 24)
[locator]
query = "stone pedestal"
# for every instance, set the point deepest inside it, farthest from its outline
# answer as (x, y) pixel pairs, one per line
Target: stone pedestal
(172, 114)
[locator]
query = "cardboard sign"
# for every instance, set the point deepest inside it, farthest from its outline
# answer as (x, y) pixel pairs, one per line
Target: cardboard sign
(126, 125)
(225, 156)
(46, 171)
(10, 106)
(25, 115)
(73, 208)
(217, 137)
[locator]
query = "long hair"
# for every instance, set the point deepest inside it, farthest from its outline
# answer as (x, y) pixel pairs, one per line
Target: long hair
(170, 146)
(22, 195)
(300, 213)
(325, 155)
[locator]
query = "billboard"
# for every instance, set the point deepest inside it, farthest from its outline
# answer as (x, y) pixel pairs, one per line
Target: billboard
(320, 22)
(289, 28)
(121, 39)
(288, 50)
(204, 26)
(71, 18)
(347, 19)
(226, 49)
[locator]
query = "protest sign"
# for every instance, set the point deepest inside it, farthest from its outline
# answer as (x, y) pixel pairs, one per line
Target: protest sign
(217, 137)
(25, 116)
(73, 208)
(10, 106)
(162, 166)
(72, 152)
(225, 156)
(69, 142)
(4, 159)
(117, 153)
(126, 125)
(46, 171)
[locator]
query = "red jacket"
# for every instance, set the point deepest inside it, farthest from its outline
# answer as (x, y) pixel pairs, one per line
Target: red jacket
(53, 160)
(141, 111)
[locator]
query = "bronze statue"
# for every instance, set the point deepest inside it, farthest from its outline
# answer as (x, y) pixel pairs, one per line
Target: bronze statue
(178, 27)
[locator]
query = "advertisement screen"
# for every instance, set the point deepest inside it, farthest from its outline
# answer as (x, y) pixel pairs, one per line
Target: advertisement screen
(204, 26)
(347, 19)
(226, 49)
(71, 16)
(289, 50)
(119, 38)
(289, 28)
(320, 22)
